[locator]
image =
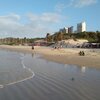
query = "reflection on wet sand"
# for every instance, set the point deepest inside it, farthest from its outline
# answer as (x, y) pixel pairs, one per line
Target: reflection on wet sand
(32, 54)
(83, 69)
(52, 81)
(14, 70)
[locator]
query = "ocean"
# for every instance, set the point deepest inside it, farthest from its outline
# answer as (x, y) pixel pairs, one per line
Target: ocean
(26, 76)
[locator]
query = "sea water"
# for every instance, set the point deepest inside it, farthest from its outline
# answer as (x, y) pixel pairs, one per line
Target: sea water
(30, 77)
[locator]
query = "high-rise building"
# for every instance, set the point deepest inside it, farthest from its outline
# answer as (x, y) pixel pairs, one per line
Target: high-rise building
(81, 27)
(70, 29)
(67, 30)
(64, 30)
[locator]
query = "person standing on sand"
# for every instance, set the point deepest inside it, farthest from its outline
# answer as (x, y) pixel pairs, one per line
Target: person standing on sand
(32, 47)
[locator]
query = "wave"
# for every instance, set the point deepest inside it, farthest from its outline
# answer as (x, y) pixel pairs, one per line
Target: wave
(24, 67)
(1, 86)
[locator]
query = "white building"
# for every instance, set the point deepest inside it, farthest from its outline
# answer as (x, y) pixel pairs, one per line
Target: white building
(67, 30)
(64, 30)
(70, 29)
(81, 27)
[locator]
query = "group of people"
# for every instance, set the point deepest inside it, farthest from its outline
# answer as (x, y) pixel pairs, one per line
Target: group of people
(57, 47)
(81, 53)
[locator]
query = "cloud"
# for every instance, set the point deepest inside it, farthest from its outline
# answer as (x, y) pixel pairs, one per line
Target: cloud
(9, 23)
(59, 7)
(46, 17)
(36, 25)
(82, 3)
(9, 19)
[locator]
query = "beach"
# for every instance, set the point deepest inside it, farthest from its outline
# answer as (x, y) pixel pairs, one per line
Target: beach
(63, 55)
(27, 74)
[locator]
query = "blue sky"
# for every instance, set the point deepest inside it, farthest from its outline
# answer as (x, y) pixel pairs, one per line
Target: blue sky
(35, 18)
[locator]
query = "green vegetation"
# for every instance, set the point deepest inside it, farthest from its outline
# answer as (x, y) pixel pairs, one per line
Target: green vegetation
(90, 36)
(57, 36)
(18, 41)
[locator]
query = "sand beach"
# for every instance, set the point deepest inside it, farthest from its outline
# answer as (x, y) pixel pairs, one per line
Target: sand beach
(64, 55)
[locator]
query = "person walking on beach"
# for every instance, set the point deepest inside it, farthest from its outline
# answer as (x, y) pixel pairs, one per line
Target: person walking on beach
(32, 47)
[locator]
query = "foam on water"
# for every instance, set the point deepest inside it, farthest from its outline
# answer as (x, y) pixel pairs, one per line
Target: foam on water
(24, 67)
(1, 86)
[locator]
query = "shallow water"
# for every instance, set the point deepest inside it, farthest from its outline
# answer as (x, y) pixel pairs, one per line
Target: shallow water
(29, 77)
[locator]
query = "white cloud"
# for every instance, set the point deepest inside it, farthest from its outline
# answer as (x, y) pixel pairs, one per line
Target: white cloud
(9, 23)
(36, 25)
(59, 7)
(9, 19)
(82, 3)
(45, 17)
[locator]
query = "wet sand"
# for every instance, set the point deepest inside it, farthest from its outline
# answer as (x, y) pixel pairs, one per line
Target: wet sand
(66, 56)
(52, 81)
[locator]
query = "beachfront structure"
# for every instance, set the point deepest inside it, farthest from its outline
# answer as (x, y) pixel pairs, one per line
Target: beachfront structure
(70, 29)
(67, 30)
(64, 30)
(81, 27)
(91, 45)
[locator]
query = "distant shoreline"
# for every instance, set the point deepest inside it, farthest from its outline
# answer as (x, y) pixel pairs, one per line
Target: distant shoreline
(65, 56)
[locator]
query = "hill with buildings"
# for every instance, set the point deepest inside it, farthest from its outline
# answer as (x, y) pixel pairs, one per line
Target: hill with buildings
(66, 34)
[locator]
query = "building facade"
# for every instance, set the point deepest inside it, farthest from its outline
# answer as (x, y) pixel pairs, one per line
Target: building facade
(67, 30)
(70, 29)
(64, 30)
(81, 27)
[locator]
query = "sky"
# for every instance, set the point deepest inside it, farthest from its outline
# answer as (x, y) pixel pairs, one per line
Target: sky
(36, 18)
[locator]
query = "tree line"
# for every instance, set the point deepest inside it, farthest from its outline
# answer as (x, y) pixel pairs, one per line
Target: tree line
(18, 41)
(58, 36)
